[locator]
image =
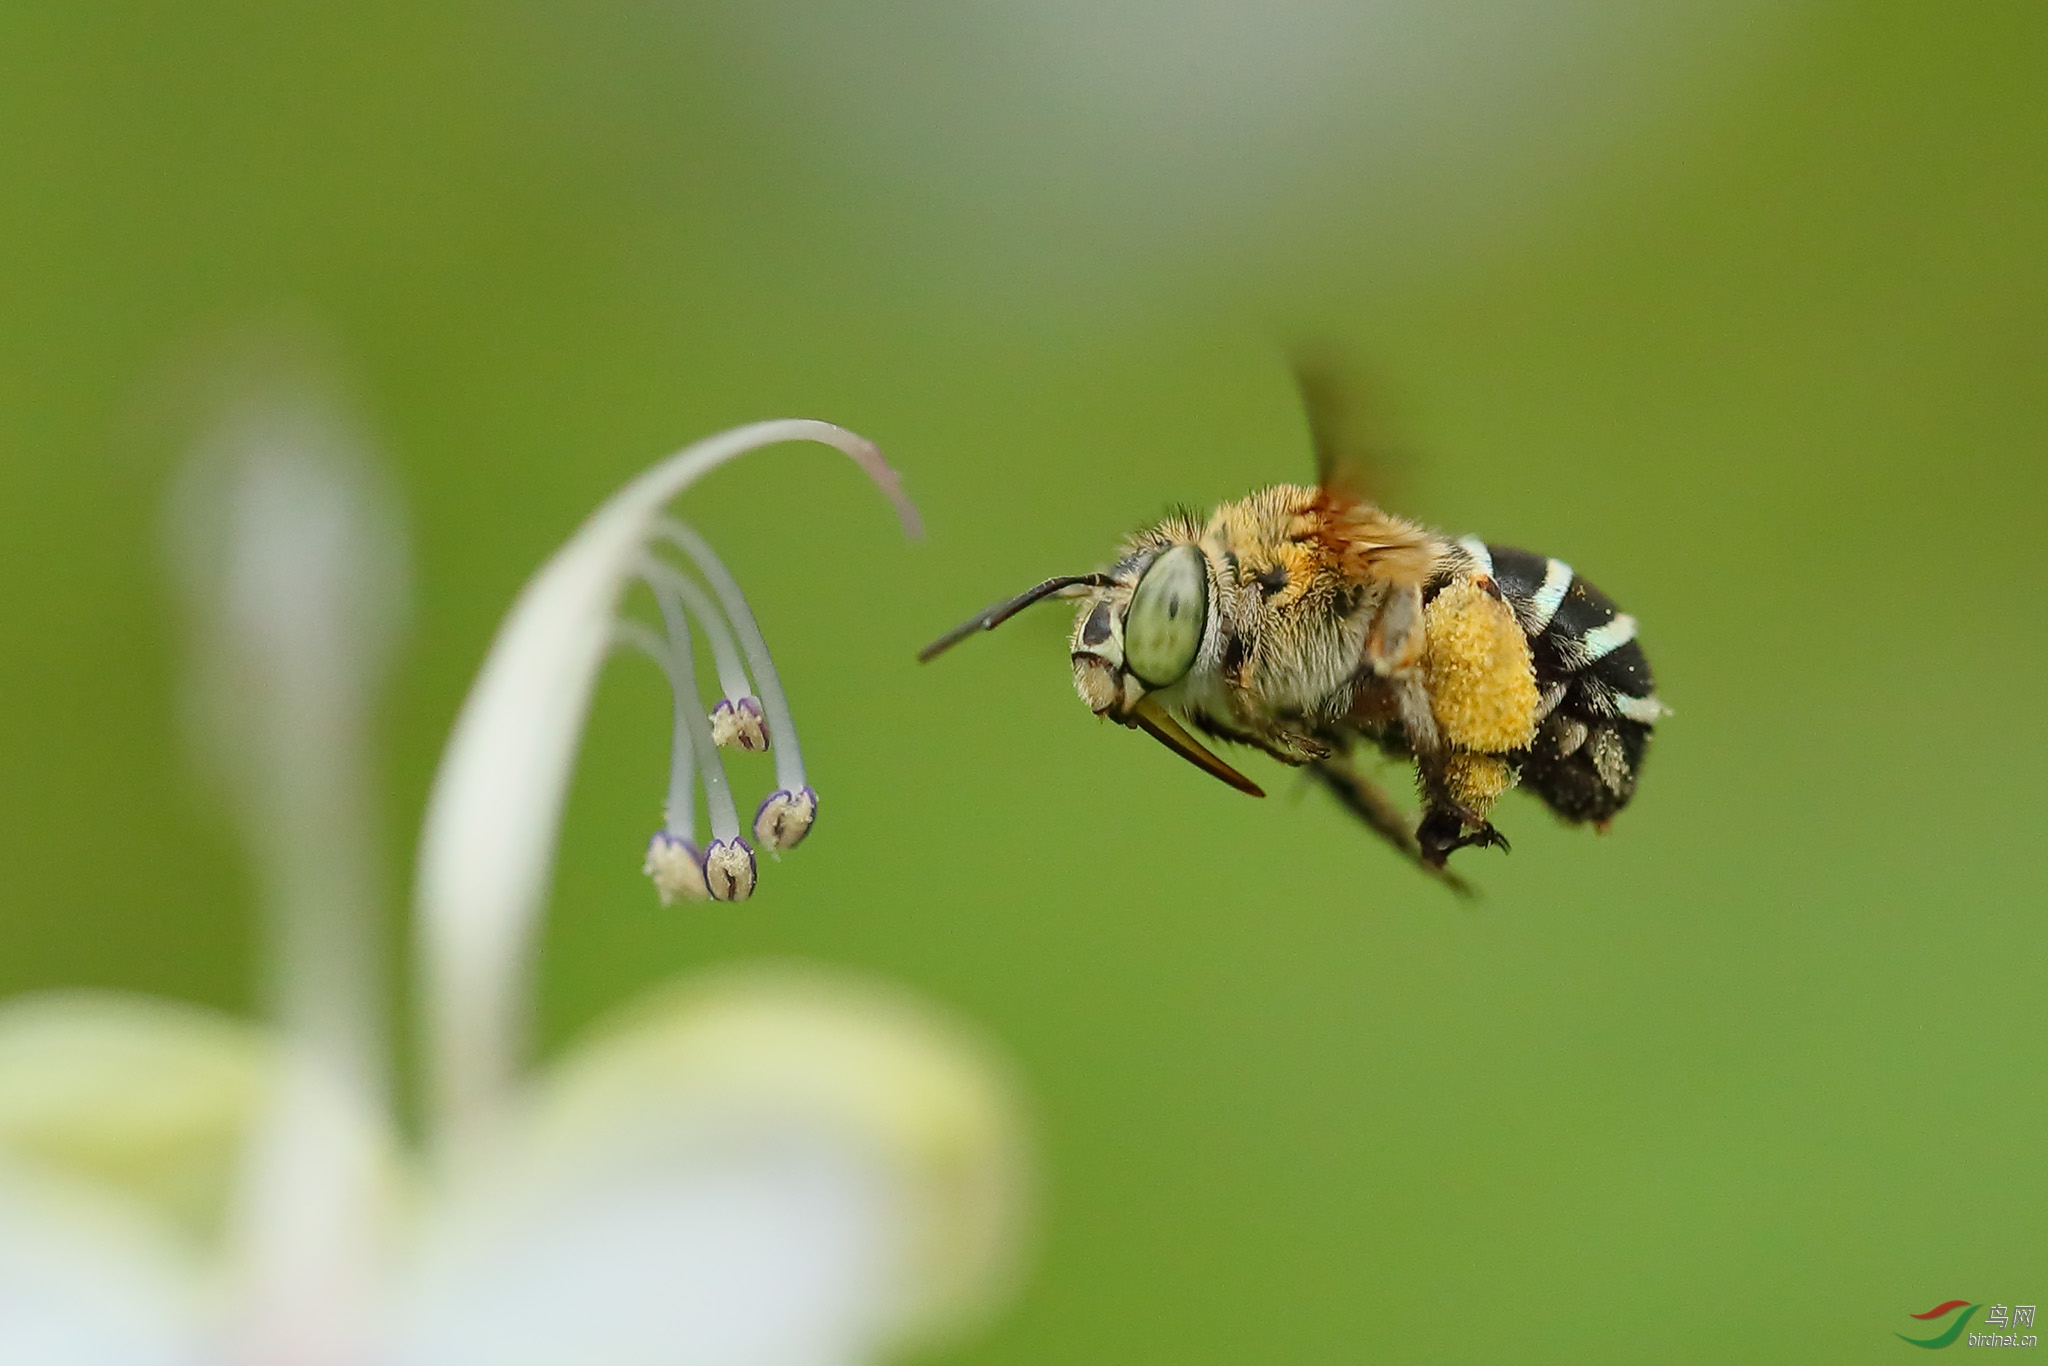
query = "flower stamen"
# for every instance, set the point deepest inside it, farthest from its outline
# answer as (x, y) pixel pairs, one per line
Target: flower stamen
(737, 722)
(674, 861)
(785, 817)
(727, 863)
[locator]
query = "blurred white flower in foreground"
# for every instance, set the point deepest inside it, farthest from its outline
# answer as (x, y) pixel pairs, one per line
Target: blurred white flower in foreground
(766, 1166)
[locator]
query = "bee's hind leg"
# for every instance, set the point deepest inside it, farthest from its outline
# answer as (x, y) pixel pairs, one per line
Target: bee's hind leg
(1365, 799)
(1442, 833)
(1457, 792)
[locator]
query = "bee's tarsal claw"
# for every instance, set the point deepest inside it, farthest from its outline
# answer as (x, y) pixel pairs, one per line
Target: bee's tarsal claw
(1442, 833)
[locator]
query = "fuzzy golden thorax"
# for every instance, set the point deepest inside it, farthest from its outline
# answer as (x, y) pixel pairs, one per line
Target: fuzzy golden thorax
(1307, 590)
(1294, 623)
(1314, 576)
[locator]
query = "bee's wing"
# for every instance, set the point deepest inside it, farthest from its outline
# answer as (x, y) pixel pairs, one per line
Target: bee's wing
(1353, 457)
(1353, 464)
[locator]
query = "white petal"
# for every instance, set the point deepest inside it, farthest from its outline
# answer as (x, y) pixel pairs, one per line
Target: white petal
(489, 838)
(145, 1136)
(767, 1254)
(764, 1166)
(87, 1282)
(314, 1227)
(150, 1099)
(120, 1118)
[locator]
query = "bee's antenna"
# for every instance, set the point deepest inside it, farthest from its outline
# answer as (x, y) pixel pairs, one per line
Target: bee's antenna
(995, 616)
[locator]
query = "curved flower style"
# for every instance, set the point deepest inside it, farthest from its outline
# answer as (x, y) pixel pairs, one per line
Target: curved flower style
(776, 1167)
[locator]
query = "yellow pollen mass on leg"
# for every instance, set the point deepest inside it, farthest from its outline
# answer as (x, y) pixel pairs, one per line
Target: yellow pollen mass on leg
(1476, 781)
(1477, 668)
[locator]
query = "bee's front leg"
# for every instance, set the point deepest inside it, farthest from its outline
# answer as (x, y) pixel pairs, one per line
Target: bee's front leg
(1291, 747)
(1282, 733)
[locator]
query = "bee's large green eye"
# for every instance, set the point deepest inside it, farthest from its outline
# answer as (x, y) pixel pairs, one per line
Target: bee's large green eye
(1163, 630)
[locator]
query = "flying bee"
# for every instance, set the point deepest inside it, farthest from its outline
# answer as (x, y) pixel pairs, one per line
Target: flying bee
(1308, 623)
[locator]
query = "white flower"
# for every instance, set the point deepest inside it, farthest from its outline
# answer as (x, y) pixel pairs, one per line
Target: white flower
(764, 1166)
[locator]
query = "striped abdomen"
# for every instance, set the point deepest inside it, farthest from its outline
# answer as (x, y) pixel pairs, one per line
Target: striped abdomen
(1598, 702)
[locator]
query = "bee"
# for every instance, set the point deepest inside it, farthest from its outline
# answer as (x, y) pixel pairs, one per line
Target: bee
(1309, 623)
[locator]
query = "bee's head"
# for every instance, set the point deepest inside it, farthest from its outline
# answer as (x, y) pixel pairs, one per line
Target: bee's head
(1143, 629)
(1144, 633)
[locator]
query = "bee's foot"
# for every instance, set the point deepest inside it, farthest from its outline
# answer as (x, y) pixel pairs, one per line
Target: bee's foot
(1486, 837)
(1442, 833)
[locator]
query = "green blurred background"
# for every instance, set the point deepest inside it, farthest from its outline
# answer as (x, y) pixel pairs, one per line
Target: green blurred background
(1739, 308)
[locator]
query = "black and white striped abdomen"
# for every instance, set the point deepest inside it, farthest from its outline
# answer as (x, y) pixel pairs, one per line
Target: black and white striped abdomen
(1598, 700)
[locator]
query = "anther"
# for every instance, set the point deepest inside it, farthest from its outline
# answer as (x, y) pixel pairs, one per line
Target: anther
(677, 869)
(729, 870)
(728, 865)
(785, 818)
(789, 763)
(739, 725)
